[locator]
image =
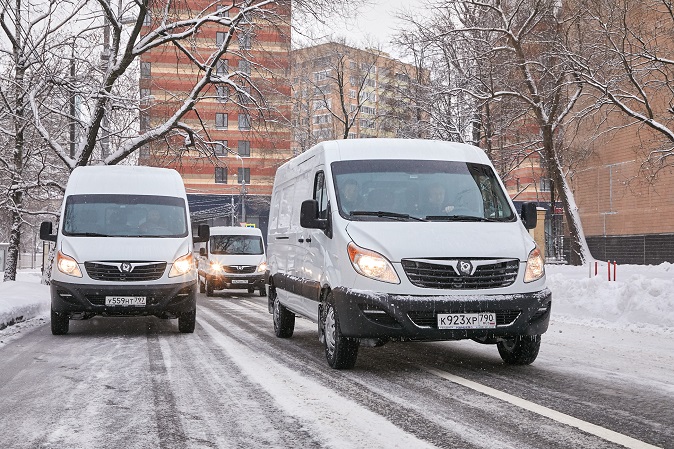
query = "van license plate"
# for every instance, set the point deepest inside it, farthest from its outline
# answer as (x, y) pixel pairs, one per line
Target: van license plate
(125, 301)
(239, 281)
(486, 320)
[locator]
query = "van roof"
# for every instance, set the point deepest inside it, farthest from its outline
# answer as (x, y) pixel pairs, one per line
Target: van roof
(125, 179)
(235, 230)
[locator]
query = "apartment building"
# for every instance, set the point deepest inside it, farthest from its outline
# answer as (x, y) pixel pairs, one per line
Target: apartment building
(243, 136)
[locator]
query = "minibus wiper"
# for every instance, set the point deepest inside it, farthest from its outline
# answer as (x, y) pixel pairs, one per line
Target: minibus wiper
(88, 234)
(385, 214)
(459, 218)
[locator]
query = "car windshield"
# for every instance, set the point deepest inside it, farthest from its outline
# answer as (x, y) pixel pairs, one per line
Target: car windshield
(125, 216)
(236, 244)
(419, 190)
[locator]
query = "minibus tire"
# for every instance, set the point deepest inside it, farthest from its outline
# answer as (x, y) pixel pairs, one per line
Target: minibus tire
(263, 291)
(209, 287)
(202, 287)
(187, 321)
(60, 323)
(251, 290)
(521, 350)
(341, 352)
(284, 320)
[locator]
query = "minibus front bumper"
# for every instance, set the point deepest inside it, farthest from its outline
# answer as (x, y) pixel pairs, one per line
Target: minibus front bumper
(166, 300)
(364, 314)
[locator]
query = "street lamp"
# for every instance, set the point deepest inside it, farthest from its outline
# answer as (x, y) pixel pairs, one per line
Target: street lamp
(243, 190)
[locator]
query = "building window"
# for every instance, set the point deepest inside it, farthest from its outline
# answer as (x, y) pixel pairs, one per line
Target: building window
(244, 66)
(221, 148)
(368, 110)
(145, 69)
(147, 20)
(222, 93)
(244, 148)
(223, 11)
(321, 76)
(245, 40)
(244, 121)
(144, 122)
(220, 38)
(222, 67)
(244, 95)
(220, 175)
(221, 120)
(145, 93)
(246, 174)
(352, 93)
(546, 184)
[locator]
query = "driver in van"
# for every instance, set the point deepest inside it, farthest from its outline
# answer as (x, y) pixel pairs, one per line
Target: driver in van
(350, 195)
(435, 202)
(154, 223)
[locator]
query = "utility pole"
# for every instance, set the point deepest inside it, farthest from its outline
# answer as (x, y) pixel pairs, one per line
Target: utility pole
(105, 59)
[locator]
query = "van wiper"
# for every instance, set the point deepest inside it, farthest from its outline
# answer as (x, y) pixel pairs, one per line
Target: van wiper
(87, 234)
(384, 214)
(459, 218)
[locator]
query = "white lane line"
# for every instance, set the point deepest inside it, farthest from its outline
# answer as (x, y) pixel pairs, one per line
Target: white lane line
(585, 426)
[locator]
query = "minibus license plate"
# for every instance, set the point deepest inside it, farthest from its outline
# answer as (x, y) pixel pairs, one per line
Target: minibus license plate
(485, 320)
(239, 281)
(125, 301)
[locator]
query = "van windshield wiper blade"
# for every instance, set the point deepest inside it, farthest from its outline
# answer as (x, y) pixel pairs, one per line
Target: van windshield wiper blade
(384, 214)
(459, 218)
(87, 234)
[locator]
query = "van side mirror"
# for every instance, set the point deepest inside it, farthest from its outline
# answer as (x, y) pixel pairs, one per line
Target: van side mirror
(203, 234)
(202, 252)
(46, 231)
(309, 216)
(529, 215)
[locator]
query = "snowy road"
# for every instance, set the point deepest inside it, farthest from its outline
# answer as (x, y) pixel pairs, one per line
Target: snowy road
(138, 383)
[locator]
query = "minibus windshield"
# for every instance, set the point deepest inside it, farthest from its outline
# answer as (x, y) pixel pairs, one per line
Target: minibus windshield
(236, 244)
(385, 190)
(117, 215)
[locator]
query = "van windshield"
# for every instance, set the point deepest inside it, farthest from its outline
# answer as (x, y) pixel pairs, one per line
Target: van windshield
(419, 190)
(236, 244)
(116, 215)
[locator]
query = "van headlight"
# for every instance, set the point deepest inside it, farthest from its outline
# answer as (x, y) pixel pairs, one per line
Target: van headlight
(535, 266)
(371, 264)
(67, 265)
(262, 267)
(215, 265)
(182, 265)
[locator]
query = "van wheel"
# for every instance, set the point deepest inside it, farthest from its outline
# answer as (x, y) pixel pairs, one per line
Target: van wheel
(187, 322)
(521, 350)
(263, 291)
(60, 323)
(284, 320)
(251, 290)
(209, 287)
(340, 351)
(202, 287)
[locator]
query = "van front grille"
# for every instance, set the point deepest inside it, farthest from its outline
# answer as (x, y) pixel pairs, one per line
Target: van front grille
(114, 271)
(435, 275)
(239, 269)
(430, 319)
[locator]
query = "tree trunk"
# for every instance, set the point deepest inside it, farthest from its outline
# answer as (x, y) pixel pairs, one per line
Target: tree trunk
(12, 260)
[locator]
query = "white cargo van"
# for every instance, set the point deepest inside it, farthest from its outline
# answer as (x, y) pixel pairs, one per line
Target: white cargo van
(123, 247)
(382, 240)
(233, 258)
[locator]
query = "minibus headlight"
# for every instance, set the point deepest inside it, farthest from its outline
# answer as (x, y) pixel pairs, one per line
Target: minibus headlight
(262, 267)
(371, 264)
(67, 265)
(182, 265)
(215, 265)
(535, 266)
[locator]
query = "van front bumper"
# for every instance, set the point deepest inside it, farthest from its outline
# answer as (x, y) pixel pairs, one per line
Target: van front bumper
(167, 300)
(242, 281)
(365, 314)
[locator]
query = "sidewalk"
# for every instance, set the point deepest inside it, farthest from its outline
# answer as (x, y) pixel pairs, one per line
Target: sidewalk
(23, 299)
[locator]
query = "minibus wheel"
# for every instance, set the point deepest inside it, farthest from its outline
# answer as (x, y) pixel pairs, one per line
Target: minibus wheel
(340, 351)
(520, 350)
(202, 286)
(60, 323)
(284, 320)
(263, 291)
(187, 321)
(209, 287)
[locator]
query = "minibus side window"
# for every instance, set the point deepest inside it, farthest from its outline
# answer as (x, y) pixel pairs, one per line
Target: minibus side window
(321, 195)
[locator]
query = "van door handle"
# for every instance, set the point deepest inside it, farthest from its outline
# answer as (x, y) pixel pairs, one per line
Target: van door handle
(281, 238)
(300, 240)
(308, 239)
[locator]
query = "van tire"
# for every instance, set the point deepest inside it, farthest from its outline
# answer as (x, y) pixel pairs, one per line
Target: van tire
(521, 350)
(187, 321)
(60, 323)
(284, 320)
(202, 286)
(263, 291)
(340, 351)
(209, 287)
(251, 290)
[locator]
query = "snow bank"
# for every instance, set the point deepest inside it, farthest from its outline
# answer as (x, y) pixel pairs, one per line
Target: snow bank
(23, 299)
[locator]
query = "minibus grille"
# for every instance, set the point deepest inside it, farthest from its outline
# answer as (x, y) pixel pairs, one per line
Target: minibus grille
(239, 269)
(430, 319)
(431, 275)
(112, 271)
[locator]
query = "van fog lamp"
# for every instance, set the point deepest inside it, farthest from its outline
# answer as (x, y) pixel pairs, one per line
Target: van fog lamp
(371, 264)
(67, 265)
(535, 266)
(182, 265)
(262, 267)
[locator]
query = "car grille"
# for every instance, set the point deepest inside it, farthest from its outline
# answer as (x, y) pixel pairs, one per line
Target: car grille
(239, 269)
(110, 271)
(430, 319)
(432, 275)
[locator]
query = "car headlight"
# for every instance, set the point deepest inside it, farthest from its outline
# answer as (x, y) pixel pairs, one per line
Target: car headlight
(67, 265)
(262, 267)
(371, 264)
(182, 265)
(215, 265)
(535, 266)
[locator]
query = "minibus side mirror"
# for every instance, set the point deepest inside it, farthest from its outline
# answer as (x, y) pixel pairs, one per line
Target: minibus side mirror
(202, 252)
(529, 215)
(309, 216)
(203, 234)
(46, 231)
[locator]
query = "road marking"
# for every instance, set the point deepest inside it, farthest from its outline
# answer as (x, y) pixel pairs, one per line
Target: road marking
(585, 426)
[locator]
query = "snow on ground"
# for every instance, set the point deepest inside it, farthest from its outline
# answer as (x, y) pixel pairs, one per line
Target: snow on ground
(641, 299)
